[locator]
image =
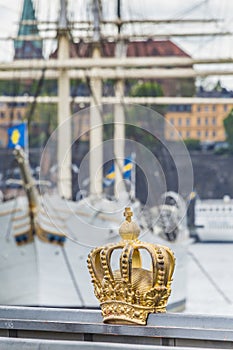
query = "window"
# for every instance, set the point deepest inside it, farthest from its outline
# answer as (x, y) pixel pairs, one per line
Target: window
(181, 108)
(172, 108)
(198, 108)
(187, 134)
(206, 121)
(198, 121)
(2, 115)
(172, 121)
(214, 108)
(19, 116)
(206, 133)
(225, 108)
(198, 133)
(187, 121)
(214, 120)
(214, 133)
(171, 135)
(188, 108)
(179, 121)
(206, 108)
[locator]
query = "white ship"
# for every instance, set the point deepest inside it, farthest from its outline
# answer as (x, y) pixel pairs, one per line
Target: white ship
(214, 220)
(40, 266)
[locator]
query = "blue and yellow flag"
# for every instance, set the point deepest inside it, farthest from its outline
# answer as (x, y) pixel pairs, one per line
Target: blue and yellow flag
(17, 135)
(128, 166)
(127, 169)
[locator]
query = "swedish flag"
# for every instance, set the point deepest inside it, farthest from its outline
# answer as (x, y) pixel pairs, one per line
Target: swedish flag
(17, 135)
(127, 169)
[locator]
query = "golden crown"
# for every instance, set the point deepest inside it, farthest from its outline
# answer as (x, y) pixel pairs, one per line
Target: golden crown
(129, 294)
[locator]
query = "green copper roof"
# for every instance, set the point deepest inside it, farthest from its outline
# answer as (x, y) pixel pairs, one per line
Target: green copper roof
(28, 13)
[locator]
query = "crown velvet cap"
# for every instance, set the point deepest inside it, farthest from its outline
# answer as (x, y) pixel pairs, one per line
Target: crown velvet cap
(129, 294)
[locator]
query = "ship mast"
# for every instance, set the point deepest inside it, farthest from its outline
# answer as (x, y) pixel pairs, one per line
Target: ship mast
(64, 152)
(96, 122)
(119, 116)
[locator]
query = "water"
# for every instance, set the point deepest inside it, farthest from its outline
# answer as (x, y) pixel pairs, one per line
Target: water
(210, 279)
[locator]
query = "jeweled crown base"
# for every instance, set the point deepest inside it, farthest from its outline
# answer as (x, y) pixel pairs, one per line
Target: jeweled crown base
(121, 312)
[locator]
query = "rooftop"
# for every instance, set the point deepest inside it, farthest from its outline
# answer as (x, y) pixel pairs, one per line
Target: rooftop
(134, 49)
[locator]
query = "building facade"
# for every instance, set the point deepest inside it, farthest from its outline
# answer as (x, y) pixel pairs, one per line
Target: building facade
(203, 122)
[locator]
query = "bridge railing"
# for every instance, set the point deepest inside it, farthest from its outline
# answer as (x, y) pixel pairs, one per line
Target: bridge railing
(49, 328)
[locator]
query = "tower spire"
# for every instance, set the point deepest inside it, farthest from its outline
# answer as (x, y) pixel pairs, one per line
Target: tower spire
(28, 49)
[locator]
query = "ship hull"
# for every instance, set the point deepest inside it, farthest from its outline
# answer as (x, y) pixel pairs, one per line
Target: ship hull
(213, 220)
(45, 274)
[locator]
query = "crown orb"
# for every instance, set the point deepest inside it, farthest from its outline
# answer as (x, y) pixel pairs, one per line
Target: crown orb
(128, 294)
(129, 230)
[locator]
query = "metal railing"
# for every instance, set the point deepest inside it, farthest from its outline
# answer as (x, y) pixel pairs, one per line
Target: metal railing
(83, 329)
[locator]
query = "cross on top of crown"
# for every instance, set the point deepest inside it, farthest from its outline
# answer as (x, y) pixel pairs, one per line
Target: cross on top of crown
(128, 214)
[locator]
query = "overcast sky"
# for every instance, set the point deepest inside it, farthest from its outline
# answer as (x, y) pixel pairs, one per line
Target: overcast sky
(157, 9)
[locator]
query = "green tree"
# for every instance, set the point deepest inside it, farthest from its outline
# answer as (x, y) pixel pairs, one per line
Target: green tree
(146, 89)
(43, 121)
(30, 87)
(228, 125)
(193, 144)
